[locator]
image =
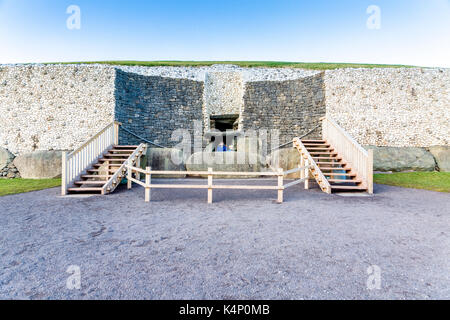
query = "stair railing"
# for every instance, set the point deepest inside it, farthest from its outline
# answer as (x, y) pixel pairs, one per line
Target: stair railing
(313, 167)
(76, 163)
(359, 159)
(121, 172)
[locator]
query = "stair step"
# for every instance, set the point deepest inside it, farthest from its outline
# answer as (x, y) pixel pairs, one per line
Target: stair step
(104, 160)
(315, 145)
(313, 141)
(328, 158)
(122, 150)
(345, 180)
(327, 153)
(336, 187)
(324, 148)
(84, 189)
(91, 182)
(125, 147)
(90, 176)
(331, 163)
(332, 174)
(331, 168)
(101, 170)
(118, 155)
(111, 164)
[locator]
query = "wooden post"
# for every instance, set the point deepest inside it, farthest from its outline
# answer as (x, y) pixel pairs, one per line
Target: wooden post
(116, 132)
(129, 175)
(210, 183)
(302, 164)
(138, 164)
(370, 172)
(148, 179)
(64, 174)
(280, 185)
(306, 174)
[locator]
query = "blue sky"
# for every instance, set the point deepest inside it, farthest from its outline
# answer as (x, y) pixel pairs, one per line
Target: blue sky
(415, 32)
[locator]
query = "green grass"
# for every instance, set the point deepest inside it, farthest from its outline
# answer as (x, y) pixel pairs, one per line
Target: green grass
(435, 181)
(249, 64)
(13, 186)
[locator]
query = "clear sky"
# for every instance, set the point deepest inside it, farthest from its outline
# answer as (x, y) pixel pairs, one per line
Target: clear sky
(414, 32)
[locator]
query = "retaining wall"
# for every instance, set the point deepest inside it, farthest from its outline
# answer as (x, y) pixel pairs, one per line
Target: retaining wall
(405, 107)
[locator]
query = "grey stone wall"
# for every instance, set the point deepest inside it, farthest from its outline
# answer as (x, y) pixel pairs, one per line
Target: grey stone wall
(293, 107)
(153, 106)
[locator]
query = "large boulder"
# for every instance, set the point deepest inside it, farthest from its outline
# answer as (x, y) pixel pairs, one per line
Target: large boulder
(166, 159)
(402, 159)
(288, 158)
(231, 161)
(442, 156)
(39, 164)
(6, 158)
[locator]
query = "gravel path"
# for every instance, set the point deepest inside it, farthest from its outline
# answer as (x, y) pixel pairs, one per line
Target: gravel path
(244, 246)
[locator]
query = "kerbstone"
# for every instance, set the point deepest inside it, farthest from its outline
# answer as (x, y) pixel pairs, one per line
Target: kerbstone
(442, 156)
(6, 158)
(287, 159)
(165, 159)
(39, 164)
(402, 159)
(226, 161)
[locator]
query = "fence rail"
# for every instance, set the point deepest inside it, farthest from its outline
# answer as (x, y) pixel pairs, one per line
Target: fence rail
(75, 163)
(134, 173)
(360, 160)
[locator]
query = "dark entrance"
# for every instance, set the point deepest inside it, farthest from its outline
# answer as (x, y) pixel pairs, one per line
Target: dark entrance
(224, 122)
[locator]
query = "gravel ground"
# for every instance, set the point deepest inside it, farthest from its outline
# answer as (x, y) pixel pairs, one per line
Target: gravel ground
(244, 246)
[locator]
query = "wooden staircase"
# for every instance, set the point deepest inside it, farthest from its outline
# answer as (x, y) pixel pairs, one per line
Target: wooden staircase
(336, 170)
(108, 171)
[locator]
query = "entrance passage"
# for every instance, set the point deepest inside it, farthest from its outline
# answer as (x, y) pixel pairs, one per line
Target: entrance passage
(224, 122)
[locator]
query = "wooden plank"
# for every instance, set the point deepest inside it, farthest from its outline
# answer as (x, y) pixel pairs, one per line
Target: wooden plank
(293, 183)
(91, 182)
(139, 182)
(210, 185)
(84, 189)
(205, 173)
(64, 174)
(337, 187)
(370, 172)
(294, 170)
(178, 186)
(147, 184)
(280, 186)
(245, 187)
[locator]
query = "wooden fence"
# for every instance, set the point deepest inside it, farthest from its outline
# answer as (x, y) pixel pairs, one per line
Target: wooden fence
(135, 172)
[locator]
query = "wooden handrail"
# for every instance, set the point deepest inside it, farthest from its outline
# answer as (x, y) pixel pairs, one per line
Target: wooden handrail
(359, 159)
(77, 162)
(318, 175)
(121, 172)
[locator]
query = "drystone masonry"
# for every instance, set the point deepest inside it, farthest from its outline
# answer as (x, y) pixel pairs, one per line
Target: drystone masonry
(406, 107)
(154, 107)
(224, 92)
(293, 107)
(59, 107)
